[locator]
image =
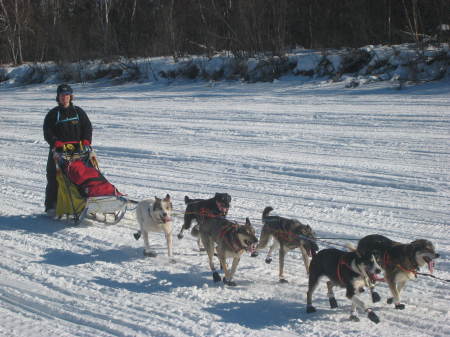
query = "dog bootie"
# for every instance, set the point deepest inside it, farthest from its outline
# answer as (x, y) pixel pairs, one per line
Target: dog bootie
(310, 309)
(375, 297)
(229, 283)
(354, 318)
(333, 302)
(216, 277)
(373, 317)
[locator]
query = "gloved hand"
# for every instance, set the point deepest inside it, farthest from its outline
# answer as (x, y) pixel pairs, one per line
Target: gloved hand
(86, 142)
(58, 144)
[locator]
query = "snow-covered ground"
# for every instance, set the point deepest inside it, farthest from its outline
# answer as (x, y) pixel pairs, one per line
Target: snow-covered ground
(348, 162)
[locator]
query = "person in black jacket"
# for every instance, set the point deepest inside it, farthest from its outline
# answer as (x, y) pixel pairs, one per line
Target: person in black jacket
(63, 123)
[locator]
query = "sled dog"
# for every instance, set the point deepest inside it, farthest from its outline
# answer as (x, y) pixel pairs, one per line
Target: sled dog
(347, 270)
(229, 240)
(288, 234)
(200, 209)
(399, 261)
(155, 216)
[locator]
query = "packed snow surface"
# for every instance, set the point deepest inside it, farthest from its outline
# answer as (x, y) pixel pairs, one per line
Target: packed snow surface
(348, 162)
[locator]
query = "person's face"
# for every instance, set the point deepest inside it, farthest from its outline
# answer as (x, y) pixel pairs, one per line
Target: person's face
(64, 100)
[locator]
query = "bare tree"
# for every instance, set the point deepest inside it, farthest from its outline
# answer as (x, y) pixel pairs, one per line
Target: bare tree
(14, 15)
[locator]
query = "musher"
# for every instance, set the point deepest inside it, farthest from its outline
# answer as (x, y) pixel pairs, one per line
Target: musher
(64, 123)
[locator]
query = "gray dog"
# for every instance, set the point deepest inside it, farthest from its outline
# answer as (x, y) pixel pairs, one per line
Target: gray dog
(230, 240)
(288, 234)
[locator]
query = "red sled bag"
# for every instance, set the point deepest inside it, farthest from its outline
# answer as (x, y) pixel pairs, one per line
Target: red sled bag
(89, 180)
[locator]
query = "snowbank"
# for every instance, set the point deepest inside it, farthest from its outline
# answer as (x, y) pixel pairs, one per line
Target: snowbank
(401, 63)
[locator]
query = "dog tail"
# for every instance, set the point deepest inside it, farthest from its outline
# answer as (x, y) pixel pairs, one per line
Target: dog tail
(266, 211)
(350, 246)
(186, 199)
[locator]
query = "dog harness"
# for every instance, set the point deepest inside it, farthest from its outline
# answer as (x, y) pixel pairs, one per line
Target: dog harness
(228, 234)
(285, 235)
(388, 261)
(207, 213)
(341, 263)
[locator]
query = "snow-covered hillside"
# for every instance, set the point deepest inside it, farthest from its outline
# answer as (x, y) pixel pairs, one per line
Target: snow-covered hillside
(348, 162)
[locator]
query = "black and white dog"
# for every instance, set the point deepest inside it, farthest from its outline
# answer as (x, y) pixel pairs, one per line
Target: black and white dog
(345, 269)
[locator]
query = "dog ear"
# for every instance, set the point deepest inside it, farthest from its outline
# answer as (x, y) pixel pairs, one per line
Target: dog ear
(376, 253)
(167, 198)
(247, 222)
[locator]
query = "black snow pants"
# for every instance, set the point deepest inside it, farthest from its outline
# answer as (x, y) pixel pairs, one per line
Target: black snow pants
(51, 191)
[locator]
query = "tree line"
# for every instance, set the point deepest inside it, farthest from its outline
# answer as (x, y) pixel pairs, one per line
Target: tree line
(73, 30)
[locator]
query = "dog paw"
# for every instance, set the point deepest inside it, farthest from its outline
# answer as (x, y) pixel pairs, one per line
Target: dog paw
(354, 318)
(373, 317)
(390, 300)
(310, 309)
(268, 260)
(150, 253)
(180, 236)
(229, 283)
(137, 235)
(400, 306)
(333, 302)
(254, 254)
(283, 280)
(375, 297)
(216, 277)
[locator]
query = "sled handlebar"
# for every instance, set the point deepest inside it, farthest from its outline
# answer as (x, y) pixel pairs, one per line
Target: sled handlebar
(73, 146)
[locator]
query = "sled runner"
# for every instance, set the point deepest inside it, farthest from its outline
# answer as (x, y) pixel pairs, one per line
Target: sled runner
(83, 192)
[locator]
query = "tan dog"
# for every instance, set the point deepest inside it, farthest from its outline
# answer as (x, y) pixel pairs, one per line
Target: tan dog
(229, 239)
(288, 234)
(155, 216)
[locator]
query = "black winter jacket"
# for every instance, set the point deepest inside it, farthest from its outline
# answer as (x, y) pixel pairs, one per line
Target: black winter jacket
(67, 124)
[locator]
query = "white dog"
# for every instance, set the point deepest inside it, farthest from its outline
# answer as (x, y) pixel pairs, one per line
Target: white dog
(154, 216)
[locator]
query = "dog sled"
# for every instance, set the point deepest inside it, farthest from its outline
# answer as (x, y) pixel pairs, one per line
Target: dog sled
(83, 192)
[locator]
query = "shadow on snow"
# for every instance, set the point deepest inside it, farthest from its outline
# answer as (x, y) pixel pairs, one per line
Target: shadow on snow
(34, 223)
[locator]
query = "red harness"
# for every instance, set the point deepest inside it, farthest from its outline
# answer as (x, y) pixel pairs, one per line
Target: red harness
(285, 235)
(205, 212)
(387, 261)
(235, 244)
(341, 262)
